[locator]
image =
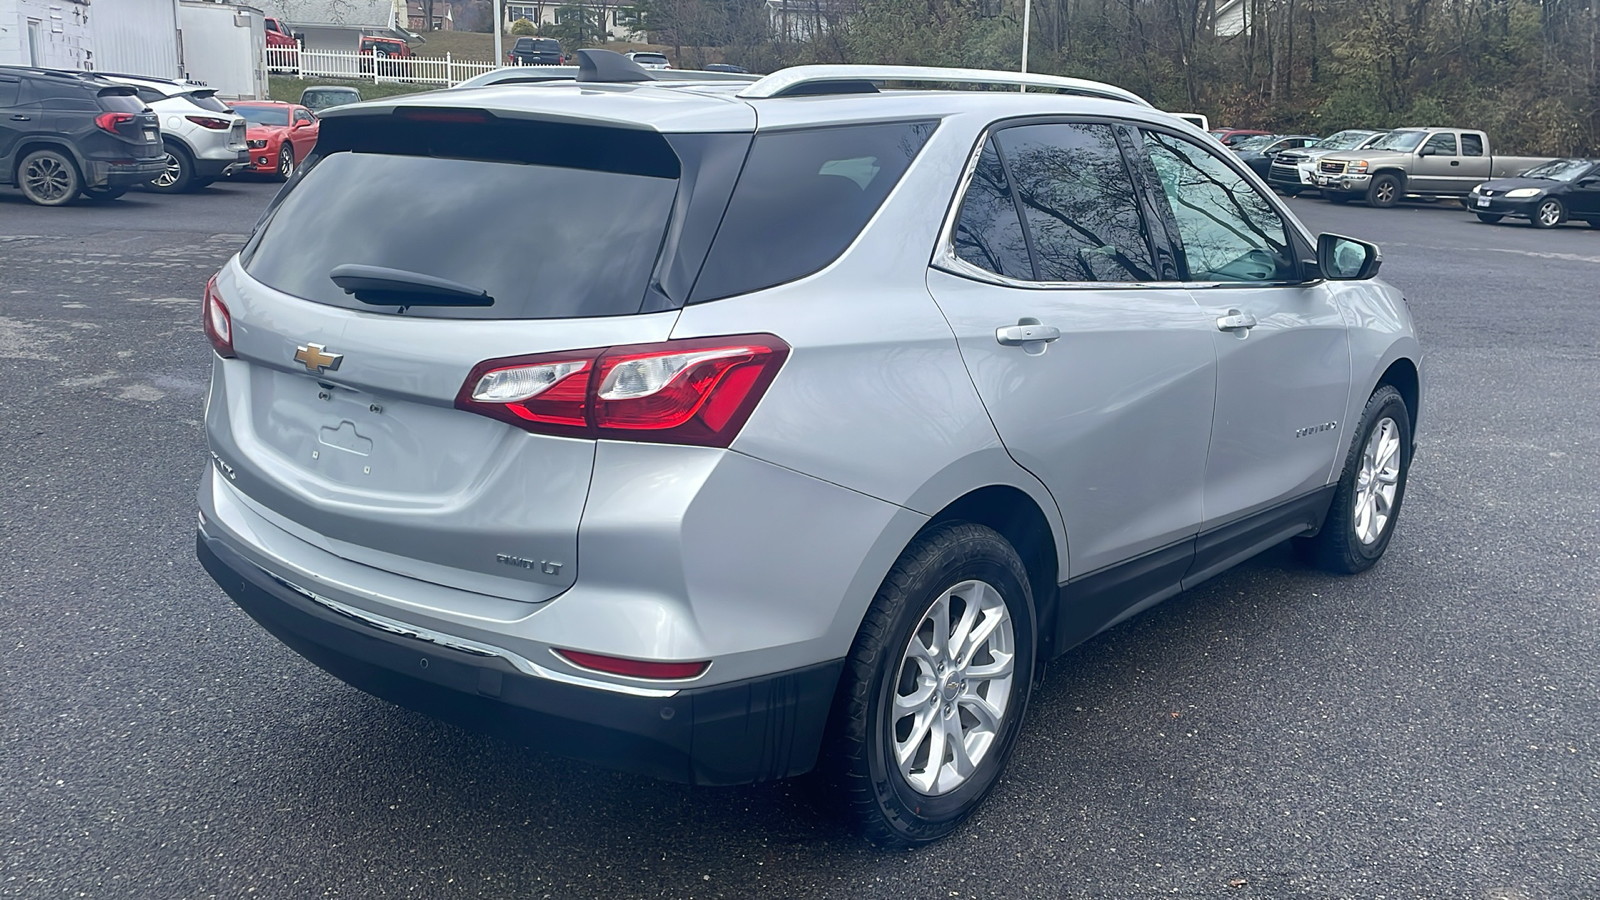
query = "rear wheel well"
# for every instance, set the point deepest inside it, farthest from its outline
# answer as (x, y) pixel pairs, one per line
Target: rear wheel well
(1019, 520)
(1402, 376)
(27, 147)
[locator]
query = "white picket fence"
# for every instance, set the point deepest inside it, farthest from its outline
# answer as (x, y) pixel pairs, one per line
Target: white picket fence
(349, 64)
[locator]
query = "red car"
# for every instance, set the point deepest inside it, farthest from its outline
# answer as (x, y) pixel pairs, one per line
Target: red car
(279, 135)
(278, 34)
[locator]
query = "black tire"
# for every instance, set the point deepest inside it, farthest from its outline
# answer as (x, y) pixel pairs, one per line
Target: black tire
(1337, 199)
(1384, 191)
(1338, 547)
(179, 175)
(1548, 214)
(879, 798)
(49, 178)
(1490, 218)
(104, 195)
(285, 162)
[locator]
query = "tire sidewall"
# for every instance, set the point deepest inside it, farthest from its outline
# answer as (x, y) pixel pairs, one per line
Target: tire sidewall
(1389, 405)
(1372, 192)
(917, 817)
(74, 188)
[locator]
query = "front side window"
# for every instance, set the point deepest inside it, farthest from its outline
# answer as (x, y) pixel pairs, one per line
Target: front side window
(1440, 145)
(988, 231)
(1230, 232)
(1078, 201)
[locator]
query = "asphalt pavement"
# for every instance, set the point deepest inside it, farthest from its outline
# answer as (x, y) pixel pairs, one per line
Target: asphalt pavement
(1427, 729)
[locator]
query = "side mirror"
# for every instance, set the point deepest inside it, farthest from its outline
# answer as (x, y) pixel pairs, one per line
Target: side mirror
(1347, 259)
(1589, 182)
(1424, 152)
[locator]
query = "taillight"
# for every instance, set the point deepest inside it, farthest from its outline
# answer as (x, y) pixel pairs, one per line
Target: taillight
(209, 122)
(698, 391)
(633, 668)
(111, 121)
(218, 324)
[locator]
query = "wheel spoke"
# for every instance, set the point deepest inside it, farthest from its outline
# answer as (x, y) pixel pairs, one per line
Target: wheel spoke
(987, 715)
(1001, 666)
(905, 751)
(940, 616)
(917, 699)
(962, 634)
(961, 761)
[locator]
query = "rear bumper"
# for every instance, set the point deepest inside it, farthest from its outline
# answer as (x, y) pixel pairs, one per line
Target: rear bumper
(216, 168)
(98, 173)
(740, 732)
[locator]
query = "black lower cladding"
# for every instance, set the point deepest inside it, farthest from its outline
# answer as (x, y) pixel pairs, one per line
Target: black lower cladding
(737, 733)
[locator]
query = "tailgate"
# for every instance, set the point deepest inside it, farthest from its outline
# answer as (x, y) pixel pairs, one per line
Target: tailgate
(372, 462)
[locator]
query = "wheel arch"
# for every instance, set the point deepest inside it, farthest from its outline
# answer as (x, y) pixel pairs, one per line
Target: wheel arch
(1403, 376)
(34, 142)
(1019, 519)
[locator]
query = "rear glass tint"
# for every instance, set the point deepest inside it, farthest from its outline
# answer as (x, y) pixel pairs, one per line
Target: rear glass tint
(538, 225)
(120, 102)
(207, 100)
(802, 198)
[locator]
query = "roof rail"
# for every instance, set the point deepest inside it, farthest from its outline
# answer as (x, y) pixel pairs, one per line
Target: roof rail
(787, 81)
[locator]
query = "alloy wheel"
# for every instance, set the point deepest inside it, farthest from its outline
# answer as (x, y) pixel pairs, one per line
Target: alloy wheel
(47, 179)
(1386, 192)
(1377, 481)
(169, 175)
(285, 163)
(1550, 214)
(953, 687)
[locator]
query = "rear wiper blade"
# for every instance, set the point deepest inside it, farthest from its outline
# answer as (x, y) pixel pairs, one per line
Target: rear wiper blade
(380, 286)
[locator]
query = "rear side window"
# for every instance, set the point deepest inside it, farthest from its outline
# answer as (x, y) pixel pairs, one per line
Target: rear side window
(988, 231)
(1471, 145)
(802, 198)
(552, 221)
(10, 89)
(1078, 200)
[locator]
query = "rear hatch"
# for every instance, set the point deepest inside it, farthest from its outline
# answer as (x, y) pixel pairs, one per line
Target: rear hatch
(129, 118)
(539, 52)
(338, 419)
(206, 99)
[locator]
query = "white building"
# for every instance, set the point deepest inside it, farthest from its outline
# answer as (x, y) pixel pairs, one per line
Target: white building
(620, 22)
(50, 33)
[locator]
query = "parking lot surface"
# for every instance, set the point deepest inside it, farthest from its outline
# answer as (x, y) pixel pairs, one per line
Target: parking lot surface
(1426, 729)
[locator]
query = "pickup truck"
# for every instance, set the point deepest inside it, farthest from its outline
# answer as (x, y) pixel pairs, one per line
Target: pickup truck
(1416, 162)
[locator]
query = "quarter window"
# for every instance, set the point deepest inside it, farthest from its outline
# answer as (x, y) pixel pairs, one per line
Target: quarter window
(989, 232)
(1230, 232)
(1078, 202)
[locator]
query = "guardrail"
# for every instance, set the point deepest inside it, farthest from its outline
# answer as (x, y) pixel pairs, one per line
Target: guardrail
(349, 64)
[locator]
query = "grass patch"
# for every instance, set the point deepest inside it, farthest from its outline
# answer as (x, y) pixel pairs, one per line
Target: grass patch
(288, 88)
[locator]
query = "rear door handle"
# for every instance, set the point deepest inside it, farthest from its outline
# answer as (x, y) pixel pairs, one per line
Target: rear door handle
(21, 118)
(1018, 335)
(1236, 321)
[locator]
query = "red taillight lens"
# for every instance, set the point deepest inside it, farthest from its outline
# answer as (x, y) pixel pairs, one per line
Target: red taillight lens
(699, 391)
(111, 121)
(218, 324)
(633, 668)
(208, 122)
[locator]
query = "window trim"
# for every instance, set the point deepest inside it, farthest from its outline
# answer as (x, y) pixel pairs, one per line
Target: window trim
(946, 260)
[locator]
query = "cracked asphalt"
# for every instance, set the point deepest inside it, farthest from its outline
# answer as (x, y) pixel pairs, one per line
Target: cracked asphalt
(1425, 730)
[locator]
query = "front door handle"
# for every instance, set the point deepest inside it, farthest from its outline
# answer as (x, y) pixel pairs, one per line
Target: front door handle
(1021, 334)
(1236, 321)
(21, 118)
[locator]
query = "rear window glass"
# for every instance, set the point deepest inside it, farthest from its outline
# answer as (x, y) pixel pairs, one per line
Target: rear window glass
(543, 241)
(121, 102)
(207, 100)
(802, 198)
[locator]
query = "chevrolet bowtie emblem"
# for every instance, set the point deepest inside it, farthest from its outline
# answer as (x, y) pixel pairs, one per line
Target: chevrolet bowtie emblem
(316, 360)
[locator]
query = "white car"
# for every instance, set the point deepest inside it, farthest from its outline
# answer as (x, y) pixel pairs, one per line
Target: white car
(649, 59)
(202, 137)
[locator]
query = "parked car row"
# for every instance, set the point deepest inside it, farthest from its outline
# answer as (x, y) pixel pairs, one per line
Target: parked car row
(69, 134)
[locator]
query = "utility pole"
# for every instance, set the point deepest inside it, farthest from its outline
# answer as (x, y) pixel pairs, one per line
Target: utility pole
(1027, 16)
(499, 53)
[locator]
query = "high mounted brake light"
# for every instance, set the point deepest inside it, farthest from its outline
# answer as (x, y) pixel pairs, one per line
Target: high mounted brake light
(698, 391)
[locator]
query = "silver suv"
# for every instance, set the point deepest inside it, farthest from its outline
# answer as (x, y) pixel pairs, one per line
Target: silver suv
(822, 417)
(202, 137)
